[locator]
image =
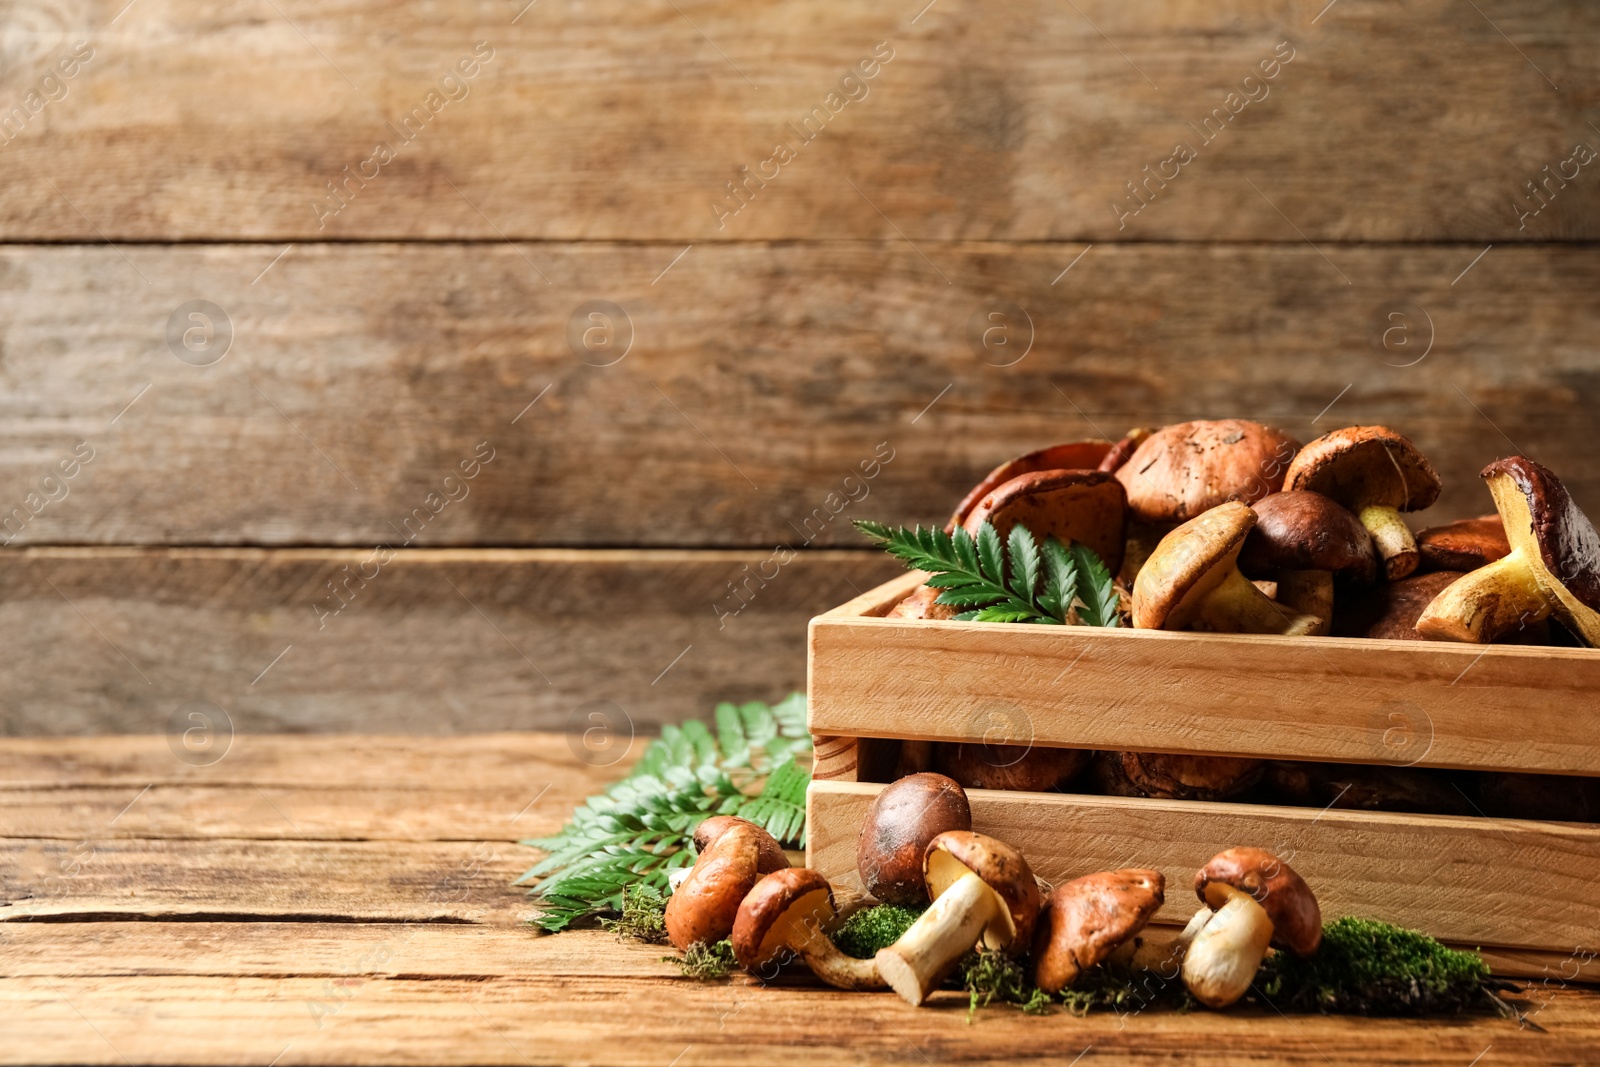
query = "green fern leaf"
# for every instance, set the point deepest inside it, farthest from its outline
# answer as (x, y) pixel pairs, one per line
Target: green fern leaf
(1024, 555)
(989, 554)
(1098, 595)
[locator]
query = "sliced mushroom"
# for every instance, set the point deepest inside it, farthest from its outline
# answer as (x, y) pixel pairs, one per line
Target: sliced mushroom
(1171, 776)
(983, 890)
(1087, 919)
(1303, 540)
(1185, 470)
(790, 911)
(702, 909)
(1553, 566)
(1377, 474)
(1192, 582)
(1465, 545)
(904, 817)
(1032, 768)
(1076, 455)
(1070, 505)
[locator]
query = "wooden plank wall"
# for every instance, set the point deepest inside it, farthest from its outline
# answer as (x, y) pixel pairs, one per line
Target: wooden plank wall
(399, 221)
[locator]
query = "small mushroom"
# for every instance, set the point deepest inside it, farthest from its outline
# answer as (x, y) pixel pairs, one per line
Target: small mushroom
(1553, 566)
(770, 855)
(904, 817)
(982, 889)
(1123, 450)
(1071, 505)
(1377, 474)
(1032, 768)
(1182, 471)
(790, 911)
(1085, 920)
(1076, 455)
(1256, 900)
(1192, 582)
(1465, 545)
(1227, 949)
(703, 907)
(1171, 776)
(1303, 540)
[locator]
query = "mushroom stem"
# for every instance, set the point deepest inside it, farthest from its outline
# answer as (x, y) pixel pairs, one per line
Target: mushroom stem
(916, 964)
(1487, 603)
(1309, 593)
(831, 965)
(1236, 606)
(1228, 950)
(1392, 538)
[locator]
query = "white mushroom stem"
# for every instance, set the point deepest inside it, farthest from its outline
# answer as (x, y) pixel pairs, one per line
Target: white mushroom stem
(1227, 952)
(829, 964)
(1392, 538)
(1487, 603)
(1238, 607)
(916, 964)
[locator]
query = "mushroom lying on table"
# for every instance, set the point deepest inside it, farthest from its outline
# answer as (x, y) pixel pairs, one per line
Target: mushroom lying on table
(1256, 900)
(1553, 566)
(1087, 919)
(703, 907)
(1377, 474)
(790, 911)
(983, 890)
(1303, 540)
(904, 817)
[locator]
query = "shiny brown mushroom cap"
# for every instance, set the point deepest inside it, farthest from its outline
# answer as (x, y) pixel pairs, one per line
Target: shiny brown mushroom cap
(1540, 514)
(1123, 450)
(1070, 505)
(1298, 530)
(1360, 466)
(1189, 562)
(1002, 868)
(772, 910)
(1175, 776)
(769, 856)
(1084, 920)
(1075, 455)
(1186, 469)
(1272, 883)
(1464, 545)
(703, 908)
(904, 817)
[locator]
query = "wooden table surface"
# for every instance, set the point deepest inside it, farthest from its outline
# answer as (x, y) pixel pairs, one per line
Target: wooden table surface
(347, 898)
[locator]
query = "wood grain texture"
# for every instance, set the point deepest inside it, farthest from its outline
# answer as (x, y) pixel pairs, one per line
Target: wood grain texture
(1352, 700)
(1473, 882)
(606, 644)
(760, 379)
(624, 120)
(230, 988)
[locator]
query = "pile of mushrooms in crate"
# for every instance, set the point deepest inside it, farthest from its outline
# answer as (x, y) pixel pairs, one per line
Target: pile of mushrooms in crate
(1232, 526)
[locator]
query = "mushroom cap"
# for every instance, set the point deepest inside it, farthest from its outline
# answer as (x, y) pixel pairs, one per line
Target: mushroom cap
(1084, 920)
(1123, 450)
(904, 817)
(1002, 868)
(1075, 455)
(1540, 516)
(1031, 768)
(1175, 776)
(771, 911)
(1071, 505)
(1298, 530)
(1390, 609)
(1359, 787)
(704, 907)
(1464, 545)
(1180, 471)
(920, 604)
(1189, 562)
(1272, 883)
(770, 855)
(1361, 466)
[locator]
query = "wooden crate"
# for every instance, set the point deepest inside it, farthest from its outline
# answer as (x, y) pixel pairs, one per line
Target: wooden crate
(1526, 893)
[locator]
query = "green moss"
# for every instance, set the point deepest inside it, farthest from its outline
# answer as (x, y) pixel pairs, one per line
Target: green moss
(1368, 967)
(870, 929)
(706, 961)
(991, 976)
(643, 915)
(1125, 994)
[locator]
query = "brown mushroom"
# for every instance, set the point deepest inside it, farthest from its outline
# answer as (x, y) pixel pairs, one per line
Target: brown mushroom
(1123, 450)
(983, 890)
(903, 818)
(1182, 471)
(1032, 768)
(1171, 776)
(1192, 582)
(1272, 883)
(1087, 919)
(790, 911)
(1303, 541)
(1076, 455)
(1553, 566)
(1256, 900)
(1226, 947)
(1070, 505)
(770, 855)
(1377, 474)
(920, 604)
(1390, 610)
(1464, 545)
(703, 908)
(1359, 787)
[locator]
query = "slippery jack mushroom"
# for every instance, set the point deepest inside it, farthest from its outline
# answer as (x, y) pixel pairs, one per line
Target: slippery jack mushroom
(1175, 776)
(1256, 900)
(1553, 566)
(1087, 919)
(790, 911)
(1377, 474)
(1192, 582)
(1031, 768)
(1303, 540)
(983, 890)
(904, 817)
(1463, 545)
(1075, 455)
(1070, 505)
(702, 908)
